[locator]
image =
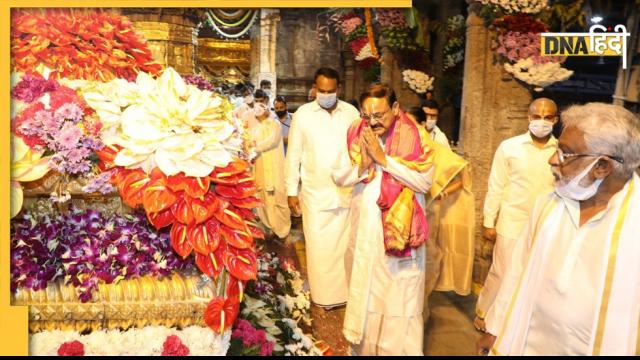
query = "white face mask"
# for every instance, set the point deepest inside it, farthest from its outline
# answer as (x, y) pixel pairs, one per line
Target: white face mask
(248, 99)
(259, 109)
(574, 191)
(326, 101)
(431, 124)
(540, 128)
(267, 91)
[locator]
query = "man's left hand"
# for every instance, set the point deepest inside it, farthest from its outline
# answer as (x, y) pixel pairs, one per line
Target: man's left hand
(373, 147)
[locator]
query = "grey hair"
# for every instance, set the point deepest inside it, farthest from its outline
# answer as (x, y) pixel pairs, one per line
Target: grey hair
(608, 129)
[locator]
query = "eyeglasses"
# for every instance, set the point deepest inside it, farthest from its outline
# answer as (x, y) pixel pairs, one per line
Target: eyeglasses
(376, 116)
(563, 157)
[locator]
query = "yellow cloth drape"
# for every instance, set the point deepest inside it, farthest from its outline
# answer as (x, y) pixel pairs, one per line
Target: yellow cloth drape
(452, 225)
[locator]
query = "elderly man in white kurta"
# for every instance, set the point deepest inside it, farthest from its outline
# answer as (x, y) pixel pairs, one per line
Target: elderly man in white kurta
(519, 173)
(390, 168)
(315, 150)
(268, 169)
(574, 286)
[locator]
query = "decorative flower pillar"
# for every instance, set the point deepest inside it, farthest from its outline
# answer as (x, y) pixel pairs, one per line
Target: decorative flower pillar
(494, 108)
(390, 73)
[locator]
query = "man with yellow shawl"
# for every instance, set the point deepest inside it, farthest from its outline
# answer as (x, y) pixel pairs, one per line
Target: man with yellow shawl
(390, 167)
(451, 217)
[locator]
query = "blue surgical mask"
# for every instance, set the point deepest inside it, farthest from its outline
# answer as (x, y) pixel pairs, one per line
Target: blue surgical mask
(326, 101)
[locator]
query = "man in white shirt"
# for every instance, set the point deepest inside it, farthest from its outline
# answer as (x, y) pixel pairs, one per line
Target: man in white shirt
(519, 173)
(431, 109)
(391, 168)
(316, 147)
(574, 284)
(247, 105)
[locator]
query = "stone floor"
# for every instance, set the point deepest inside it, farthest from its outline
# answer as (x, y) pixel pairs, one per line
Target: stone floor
(449, 331)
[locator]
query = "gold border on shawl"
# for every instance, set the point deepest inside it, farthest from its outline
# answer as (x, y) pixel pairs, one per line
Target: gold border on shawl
(545, 213)
(613, 251)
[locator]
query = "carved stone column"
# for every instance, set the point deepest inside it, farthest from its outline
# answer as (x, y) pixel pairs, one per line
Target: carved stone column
(494, 108)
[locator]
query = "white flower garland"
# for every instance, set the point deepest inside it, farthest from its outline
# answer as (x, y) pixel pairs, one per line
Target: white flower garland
(145, 341)
(417, 80)
(538, 75)
(364, 53)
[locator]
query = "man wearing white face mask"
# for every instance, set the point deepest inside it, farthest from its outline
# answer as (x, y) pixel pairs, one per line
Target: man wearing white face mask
(247, 105)
(431, 109)
(519, 174)
(316, 148)
(574, 284)
(268, 170)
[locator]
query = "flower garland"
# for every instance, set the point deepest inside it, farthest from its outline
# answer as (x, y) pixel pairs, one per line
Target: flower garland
(85, 248)
(454, 47)
(417, 80)
(359, 36)
(198, 81)
(78, 44)
(147, 341)
(538, 75)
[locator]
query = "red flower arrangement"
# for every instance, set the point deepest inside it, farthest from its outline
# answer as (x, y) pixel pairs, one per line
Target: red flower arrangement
(78, 44)
(209, 216)
(521, 23)
(72, 348)
(173, 346)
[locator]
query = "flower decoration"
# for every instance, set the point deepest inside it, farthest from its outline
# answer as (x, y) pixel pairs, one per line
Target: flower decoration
(358, 33)
(538, 75)
(417, 80)
(173, 346)
(26, 165)
(453, 50)
(87, 247)
(199, 82)
(518, 6)
(78, 44)
(145, 341)
(174, 150)
(72, 348)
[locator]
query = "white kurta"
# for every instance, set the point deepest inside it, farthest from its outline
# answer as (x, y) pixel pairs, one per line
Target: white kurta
(392, 294)
(520, 172)
(269, 175)
(438, 136)
(556, 309)
(318, 146)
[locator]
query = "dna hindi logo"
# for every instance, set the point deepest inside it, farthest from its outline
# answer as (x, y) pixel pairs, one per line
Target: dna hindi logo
(597, 42)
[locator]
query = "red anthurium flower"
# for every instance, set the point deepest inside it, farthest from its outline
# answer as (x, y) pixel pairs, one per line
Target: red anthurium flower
(235, 167)
(221, 313)
(201, 208)
(239, 191)
(240, 239)
(182, 211)
(180, 240)
(161, 219)
(133, 186)
(246, 203)
(205, 237)
(255, 232)
(235, 288)
(193, 186)
(212, 263)
(241, 263)
(246, 214)
(157, 196)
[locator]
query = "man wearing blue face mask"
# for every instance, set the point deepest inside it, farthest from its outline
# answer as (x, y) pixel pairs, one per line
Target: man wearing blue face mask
(519, 173)
(316, 147)
(574, 284)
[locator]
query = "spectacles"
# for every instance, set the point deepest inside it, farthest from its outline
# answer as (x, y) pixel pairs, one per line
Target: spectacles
(563, 157)
(377, 116)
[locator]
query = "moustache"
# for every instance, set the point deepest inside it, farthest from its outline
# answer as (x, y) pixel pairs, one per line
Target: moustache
(377, 126)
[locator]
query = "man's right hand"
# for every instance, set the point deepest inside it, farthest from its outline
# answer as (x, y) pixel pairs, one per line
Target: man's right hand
(294, 205)
(484, 345)
(489, 233)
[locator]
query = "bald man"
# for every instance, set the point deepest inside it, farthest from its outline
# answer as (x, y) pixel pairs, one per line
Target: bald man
(519, 174)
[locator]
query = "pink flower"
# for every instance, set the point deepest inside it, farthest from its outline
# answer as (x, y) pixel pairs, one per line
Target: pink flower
(69, 136)
(173, 346)
(71, 348)
(69, 111)
(266, 349)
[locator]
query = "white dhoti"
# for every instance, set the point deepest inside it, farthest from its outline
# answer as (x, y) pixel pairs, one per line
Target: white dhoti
(326, 234)
(502, 251)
